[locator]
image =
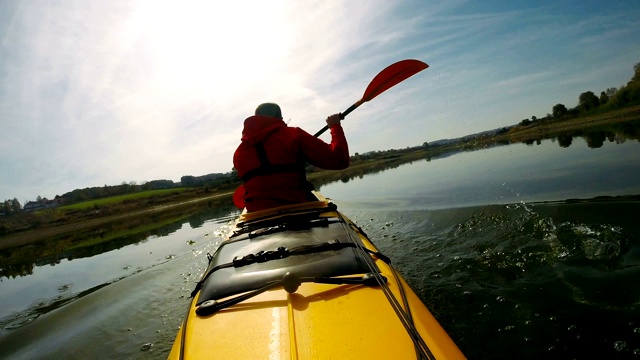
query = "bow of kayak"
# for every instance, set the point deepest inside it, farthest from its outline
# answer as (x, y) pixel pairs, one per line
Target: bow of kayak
(304, 282)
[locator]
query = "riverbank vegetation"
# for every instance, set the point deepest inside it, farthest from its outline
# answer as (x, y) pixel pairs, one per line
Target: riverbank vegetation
(95, 206)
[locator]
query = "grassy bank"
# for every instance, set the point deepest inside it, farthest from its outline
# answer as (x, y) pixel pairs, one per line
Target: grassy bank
(54, 222)
(112, 200)
(554, 128)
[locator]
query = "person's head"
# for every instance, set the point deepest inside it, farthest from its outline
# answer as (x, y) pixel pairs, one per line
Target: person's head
(269, 109)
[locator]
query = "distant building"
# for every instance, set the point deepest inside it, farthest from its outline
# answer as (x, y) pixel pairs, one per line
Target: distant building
(41, 205)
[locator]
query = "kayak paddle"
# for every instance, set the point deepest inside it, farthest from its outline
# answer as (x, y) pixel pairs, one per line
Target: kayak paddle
(387, 78)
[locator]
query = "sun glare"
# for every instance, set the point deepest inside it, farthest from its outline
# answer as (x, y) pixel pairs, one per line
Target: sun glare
(205, 48)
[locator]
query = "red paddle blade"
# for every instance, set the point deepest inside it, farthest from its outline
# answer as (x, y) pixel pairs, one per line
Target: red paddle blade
(392, 75)
(238, 197)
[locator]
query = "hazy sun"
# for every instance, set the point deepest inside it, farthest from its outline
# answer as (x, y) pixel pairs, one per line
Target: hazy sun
(205, 47)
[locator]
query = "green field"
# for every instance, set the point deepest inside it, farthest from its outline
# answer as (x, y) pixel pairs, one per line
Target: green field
(120, 199)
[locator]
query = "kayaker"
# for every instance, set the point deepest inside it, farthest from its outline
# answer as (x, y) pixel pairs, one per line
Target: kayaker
(271, 158)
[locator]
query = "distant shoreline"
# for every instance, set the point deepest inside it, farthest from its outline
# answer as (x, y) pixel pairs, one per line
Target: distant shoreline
(550, 129)
(30, 236)
(516, 134)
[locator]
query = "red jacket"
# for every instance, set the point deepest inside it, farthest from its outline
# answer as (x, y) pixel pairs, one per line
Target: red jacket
(282, 180)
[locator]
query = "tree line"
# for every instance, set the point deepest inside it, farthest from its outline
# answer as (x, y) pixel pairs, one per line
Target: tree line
(609, 99)
(209, 181)
(588, 102)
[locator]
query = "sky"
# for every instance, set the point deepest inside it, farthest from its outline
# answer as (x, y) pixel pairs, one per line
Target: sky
(97, 93)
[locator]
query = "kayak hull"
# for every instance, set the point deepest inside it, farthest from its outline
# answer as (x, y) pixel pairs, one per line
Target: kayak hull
(317, 320)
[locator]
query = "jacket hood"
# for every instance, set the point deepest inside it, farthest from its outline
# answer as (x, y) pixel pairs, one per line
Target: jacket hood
(257, 128)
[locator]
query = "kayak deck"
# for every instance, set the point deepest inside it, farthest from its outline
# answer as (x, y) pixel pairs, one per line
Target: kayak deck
(338, 303)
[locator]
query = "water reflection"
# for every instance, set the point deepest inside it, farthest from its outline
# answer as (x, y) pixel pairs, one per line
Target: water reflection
(81, 266)
(525, 273)
(22, 260)
(594, 137)
(538, 281)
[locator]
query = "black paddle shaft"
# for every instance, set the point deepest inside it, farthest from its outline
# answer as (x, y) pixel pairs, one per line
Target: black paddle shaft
(342, 116)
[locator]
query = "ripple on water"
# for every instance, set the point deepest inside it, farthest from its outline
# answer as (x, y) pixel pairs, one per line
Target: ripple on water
(524, 278)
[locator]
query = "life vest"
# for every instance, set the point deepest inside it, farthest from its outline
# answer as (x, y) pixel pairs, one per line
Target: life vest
(271, 161)
(267, 168)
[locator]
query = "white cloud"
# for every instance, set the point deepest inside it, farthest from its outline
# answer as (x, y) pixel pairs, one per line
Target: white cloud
(98, 93)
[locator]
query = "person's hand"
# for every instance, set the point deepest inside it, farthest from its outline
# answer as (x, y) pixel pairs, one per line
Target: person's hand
(333, 120)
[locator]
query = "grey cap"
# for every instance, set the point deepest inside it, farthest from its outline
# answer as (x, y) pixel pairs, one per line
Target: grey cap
(269, 109)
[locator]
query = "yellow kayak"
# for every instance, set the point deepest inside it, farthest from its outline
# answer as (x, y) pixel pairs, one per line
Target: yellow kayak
(304, 282)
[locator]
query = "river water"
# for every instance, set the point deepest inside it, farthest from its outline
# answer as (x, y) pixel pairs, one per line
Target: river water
(486, 238)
